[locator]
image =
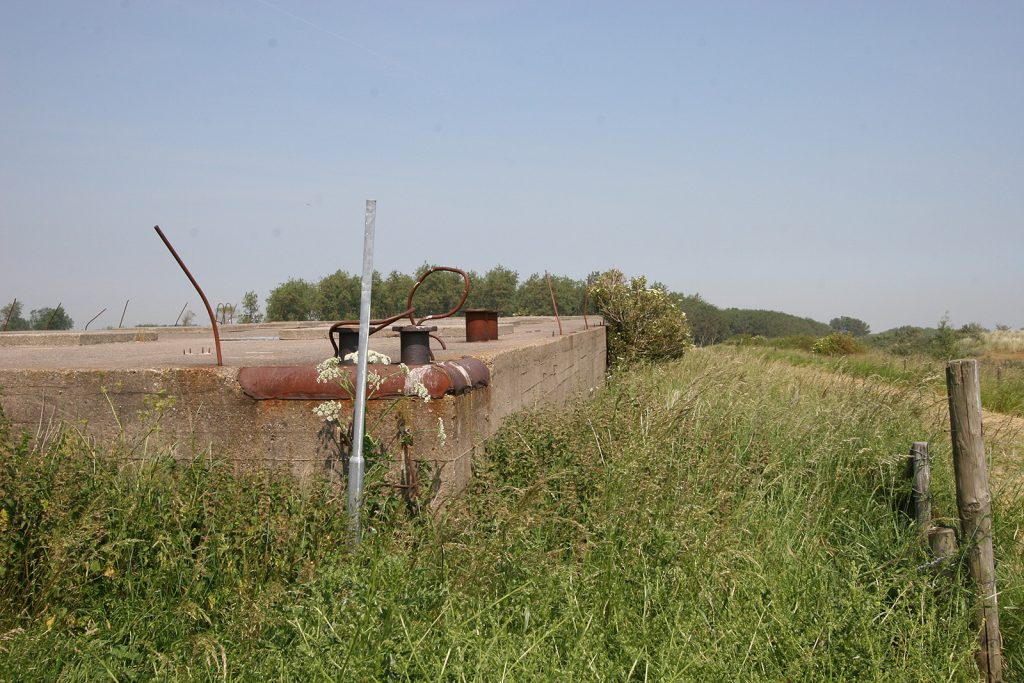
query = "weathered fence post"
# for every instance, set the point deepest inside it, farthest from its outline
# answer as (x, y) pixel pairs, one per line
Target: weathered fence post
(920, 468)
(974, 504)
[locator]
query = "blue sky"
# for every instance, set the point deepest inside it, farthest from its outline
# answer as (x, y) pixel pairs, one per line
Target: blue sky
(824, 159)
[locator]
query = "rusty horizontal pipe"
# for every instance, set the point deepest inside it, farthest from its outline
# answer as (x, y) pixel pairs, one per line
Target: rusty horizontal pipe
(299, 382)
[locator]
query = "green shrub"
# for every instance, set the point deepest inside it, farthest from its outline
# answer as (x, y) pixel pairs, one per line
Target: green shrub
(838, 344)
(803, 342)
(643, 323)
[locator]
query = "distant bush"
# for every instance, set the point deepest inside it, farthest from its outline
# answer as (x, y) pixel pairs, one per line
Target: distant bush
(838, 344)
(643, 323)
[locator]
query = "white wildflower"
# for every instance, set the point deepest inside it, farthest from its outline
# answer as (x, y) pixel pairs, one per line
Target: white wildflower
(329, 370)
(374, 381)
(328, 411)
(372, 357)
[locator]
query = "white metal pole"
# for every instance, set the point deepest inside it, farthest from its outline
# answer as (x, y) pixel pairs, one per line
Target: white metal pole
(356, 464)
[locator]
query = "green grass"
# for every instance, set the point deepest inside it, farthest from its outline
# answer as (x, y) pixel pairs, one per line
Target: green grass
(724, 517)
(1002, 382)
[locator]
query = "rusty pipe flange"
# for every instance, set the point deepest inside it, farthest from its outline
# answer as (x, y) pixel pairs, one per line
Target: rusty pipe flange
(481, 324)
(415, 343)
(466, 374)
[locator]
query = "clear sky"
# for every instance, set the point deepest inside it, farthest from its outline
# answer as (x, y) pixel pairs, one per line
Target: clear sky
(821, 158)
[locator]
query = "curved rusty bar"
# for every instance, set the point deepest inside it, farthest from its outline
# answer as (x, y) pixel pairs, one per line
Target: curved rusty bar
(438, 316)
(375, 325)
(378, 325)
(206, 302)
(554, 303)
(93, 318)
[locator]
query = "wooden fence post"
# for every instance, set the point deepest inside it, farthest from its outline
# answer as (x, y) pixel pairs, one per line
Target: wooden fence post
(974, 504)
(921, 471)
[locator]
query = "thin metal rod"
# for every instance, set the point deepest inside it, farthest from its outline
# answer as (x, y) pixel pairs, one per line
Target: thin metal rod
(94, 317)
(10, 312)
(180, 314)
(125, 311)
(52, 316)
(356, 464)
(554, 303)
(586, 299)
(206, 302)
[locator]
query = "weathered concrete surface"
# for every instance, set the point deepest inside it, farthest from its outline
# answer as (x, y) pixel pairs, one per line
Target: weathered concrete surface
(51, 338)
(154, 395)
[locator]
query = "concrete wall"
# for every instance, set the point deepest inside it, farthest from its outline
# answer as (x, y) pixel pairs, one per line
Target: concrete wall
(200, 409)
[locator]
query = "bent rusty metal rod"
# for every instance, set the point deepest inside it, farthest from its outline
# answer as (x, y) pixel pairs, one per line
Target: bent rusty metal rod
(206, 302)
(52, 316)
(93, 318)
(378, 325)
(10, 313)
(438, 316)
(180, 314)
(586, 298)
(554, 303)
(123, 312)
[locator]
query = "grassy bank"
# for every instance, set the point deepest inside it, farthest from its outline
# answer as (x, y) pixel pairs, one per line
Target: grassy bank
(720, 518)
(1002, 381)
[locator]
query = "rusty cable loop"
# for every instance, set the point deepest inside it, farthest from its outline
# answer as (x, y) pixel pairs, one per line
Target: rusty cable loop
(438, 316)
(206, 302)
(410, 310)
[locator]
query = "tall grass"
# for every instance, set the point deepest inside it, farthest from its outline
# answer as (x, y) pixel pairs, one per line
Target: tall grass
(1002, 381)
(723, 517)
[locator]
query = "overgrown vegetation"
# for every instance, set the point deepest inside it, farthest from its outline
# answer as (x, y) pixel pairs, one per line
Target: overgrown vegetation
(722, 517)
(644, 323)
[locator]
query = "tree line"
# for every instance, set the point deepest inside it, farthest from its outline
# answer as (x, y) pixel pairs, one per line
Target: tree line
(336, 296)
(45, 318)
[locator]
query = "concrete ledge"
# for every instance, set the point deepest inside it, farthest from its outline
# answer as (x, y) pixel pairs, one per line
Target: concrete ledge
(49, 338)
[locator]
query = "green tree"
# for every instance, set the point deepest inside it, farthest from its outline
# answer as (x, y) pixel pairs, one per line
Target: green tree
(945, 345)
(48, 319)
(250, 308)
(11, 314)
(338, 296)
(851, 326)
(534, 298)
(390, 295)
(292, 300)
(707, 323)
(496, 290)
